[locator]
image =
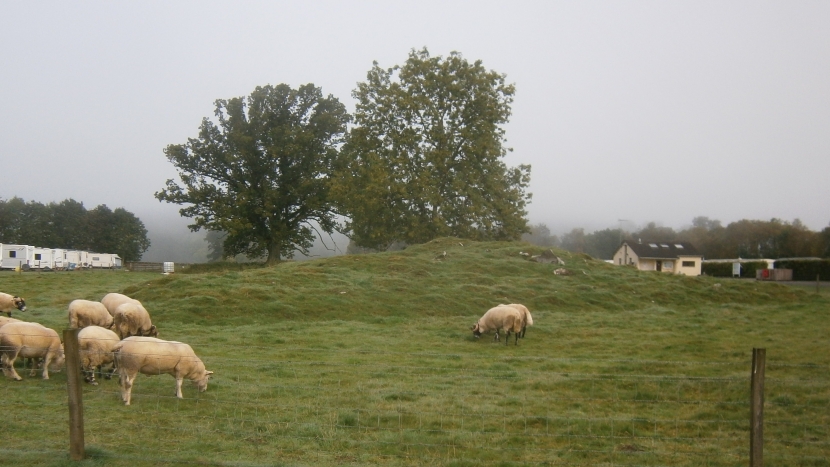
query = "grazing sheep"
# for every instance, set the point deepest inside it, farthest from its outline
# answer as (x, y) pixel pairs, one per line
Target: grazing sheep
(132, 319)
(96, 344)
(4, 320)
(508, 318)
(112, 300)
(30, 340)
(152, 356)
(9, 303)
(528, 319)
(83, 313)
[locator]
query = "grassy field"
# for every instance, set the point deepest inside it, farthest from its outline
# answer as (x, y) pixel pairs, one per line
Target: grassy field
(368, 360)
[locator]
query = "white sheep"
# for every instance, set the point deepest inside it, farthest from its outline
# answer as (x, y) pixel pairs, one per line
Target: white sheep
(96, 344)
(528, 319)
(83, 313)
(5, 319)
(152, 356)
(132, 319)
(30, 340)
(112, 300)
(498, 318)
(10, 302)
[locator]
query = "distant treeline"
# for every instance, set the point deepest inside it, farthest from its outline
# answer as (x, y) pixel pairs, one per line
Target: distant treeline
(70, 225)
(748, 239)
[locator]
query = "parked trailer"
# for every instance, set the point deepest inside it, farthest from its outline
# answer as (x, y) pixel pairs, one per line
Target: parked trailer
(14, 256)
(78, 259)
(105, 260)
(59, 259)
(42, 259)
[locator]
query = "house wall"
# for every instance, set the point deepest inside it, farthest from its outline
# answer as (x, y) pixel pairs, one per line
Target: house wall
(624, 256)
(690, 270)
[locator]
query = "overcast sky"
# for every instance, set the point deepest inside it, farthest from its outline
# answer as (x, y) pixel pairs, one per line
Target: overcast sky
(638, 110)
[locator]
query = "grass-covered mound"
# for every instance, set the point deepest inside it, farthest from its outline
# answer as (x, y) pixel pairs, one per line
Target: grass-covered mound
(368, 360)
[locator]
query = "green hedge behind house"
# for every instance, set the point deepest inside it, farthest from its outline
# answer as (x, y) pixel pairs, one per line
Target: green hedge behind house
(806, 269)
(725, 269)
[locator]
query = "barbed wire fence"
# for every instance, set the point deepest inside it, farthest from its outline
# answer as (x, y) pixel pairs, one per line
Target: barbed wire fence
(334, 407)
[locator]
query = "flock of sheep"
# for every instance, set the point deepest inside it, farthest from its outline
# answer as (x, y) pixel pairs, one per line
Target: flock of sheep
(117, 331)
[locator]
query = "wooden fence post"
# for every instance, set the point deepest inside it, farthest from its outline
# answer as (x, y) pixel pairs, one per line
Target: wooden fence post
(75, 390)
(756, 427)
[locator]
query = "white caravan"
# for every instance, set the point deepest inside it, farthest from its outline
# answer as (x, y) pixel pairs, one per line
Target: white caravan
(104, 260)
(41, 258)
(77, 259)
(59, 259)
(15, 255)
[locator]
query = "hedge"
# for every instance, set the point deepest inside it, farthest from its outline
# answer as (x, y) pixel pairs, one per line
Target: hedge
(806, 269)
(725, 269)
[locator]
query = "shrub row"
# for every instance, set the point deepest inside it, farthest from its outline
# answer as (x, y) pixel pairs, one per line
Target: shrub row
(806, 269)
(725, 269)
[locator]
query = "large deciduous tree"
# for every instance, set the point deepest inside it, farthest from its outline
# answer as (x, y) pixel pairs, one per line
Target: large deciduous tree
(424, 159)
(261, 172)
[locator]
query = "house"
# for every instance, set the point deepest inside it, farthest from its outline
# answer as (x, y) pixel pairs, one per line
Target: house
(668, 257)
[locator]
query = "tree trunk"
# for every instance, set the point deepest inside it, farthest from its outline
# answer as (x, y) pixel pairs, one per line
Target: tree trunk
(273, 254)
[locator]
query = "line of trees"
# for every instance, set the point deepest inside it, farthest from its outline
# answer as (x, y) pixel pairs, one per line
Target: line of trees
(70, 225)
(421, 160)
(742, 239)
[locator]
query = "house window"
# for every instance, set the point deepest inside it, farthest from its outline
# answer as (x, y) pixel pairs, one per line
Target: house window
(688, 264)
(678, 246)
(96, 258)
(653, 245)
(12, 254)
(37, 256)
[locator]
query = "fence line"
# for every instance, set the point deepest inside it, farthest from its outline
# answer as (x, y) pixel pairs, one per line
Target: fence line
(366, 412)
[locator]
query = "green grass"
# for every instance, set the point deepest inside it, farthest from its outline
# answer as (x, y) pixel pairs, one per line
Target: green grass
(368, 359)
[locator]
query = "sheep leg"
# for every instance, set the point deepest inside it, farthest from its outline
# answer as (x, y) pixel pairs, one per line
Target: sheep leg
(34, 361)
(89, 375)
(8, 365)
(45, 361)
(111, 372)
(179, 387)
(126, 386)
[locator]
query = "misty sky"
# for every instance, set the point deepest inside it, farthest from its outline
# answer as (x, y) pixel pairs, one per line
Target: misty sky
(637, 110)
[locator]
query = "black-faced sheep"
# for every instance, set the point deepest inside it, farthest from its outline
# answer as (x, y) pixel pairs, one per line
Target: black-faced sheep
(152, 356)
(132, 319)
(30, 340)
(498, 318)
(83, 313)
(10, 302)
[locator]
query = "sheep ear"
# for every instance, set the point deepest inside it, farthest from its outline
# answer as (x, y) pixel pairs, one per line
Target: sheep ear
(208, 372)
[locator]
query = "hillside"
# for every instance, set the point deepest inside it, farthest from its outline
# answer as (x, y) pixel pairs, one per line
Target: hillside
(422, 281)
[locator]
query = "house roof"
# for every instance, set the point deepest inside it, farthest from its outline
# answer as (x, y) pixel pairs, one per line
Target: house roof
(663, 250)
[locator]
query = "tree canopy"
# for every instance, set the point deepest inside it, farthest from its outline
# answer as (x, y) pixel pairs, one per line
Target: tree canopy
(261, 171)
(741, 239)
(424, 159)
(70, 225)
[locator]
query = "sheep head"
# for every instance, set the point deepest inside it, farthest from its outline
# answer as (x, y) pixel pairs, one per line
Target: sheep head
(19, 303)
